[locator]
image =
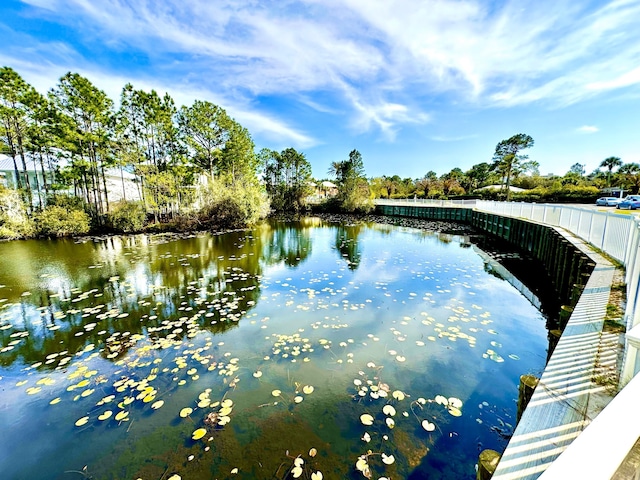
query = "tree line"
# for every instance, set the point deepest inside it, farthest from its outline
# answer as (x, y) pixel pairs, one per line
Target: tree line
(196, 167)
(510, 167)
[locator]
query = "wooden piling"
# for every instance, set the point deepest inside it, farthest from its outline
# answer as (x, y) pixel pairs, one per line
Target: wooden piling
(565, 313)
(528, 384)
(487, 464)
(554, 337)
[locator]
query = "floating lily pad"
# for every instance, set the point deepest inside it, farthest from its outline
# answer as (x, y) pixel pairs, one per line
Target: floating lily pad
(389, 410)
(122, 415)
(398, 395)
(428, 426)
(82, 421)
(366, 419)
(388, 459)
(107, 414)
(199, 433)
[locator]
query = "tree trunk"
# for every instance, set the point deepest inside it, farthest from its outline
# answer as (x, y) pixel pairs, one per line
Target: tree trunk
(24, 167)
(17, 172)
(44, 175)
(124, 190)
(104, 183)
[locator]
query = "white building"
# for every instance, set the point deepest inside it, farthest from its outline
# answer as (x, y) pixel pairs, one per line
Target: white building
(120, 183)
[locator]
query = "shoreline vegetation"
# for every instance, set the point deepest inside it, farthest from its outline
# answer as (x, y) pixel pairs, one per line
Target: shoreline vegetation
(74, 161)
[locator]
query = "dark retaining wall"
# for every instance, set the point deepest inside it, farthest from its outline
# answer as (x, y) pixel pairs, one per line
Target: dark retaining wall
(568, 268)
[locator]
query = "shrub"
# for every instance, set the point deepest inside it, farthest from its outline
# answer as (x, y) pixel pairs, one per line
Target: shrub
(68, 202)
(127, 217)
(233, 205)
(56, 221)
(14, 222)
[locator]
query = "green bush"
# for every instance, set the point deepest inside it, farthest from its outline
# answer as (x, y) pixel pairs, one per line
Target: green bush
(558, 194)
(233, 205)
(68, 202)
(127, 217)
(14, 222)
(56, 221)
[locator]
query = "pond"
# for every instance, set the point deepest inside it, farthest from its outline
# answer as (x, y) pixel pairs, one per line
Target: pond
(294, 350)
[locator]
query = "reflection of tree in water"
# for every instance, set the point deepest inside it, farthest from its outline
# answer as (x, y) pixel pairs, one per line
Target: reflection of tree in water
(290, 243)
(145, 284)
(347, 244)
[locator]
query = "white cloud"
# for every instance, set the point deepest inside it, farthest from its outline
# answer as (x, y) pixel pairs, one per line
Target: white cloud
(632, 77)
(384, 59)
(588, 129)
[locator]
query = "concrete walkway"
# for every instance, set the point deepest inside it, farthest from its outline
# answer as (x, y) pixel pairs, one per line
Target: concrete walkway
(566, 398)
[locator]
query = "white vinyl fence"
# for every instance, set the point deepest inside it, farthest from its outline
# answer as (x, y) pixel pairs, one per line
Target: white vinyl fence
(616, 234)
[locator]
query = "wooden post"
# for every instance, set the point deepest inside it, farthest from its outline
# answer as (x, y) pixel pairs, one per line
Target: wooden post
(576, 292)
(565, 313)
(528, 384)
(487, 464)
(554, 337)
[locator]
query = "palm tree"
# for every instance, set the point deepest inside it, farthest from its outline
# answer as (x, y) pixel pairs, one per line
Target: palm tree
(610, 163)
(631, 172)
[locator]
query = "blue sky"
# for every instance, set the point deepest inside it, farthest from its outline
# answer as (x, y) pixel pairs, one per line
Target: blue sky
(413, 85)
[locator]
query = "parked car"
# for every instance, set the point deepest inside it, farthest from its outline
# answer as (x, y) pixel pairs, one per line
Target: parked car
(608, 201)
(630, 203)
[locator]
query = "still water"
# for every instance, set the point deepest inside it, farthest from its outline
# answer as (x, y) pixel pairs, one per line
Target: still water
(293, 350)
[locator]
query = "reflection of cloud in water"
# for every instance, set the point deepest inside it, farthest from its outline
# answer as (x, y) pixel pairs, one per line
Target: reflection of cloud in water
(410, 292)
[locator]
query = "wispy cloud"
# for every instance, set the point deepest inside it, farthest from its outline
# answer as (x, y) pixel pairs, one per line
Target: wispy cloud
(383, 59)
(588, 129)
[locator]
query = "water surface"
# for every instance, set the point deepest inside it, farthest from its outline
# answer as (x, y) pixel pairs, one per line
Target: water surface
(290, 349)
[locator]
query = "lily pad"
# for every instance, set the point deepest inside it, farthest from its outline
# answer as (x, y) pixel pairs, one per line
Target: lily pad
(366, 419)
(389, 410)
(428, 426)
(388, 459)
(199, 433)
(107, 414)
(82, 421)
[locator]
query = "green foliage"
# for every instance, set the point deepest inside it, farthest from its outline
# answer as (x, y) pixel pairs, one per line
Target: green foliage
(508, 162)
(56, 221)
(14, 222)
(286, 175)
(558, 193)
(161, 189)
(237, 205)
(206, 129)
(68, 202)
(610, 163)
(353, 188)
(127, 217)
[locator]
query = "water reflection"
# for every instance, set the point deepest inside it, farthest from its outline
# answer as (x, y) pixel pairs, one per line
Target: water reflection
(77, 293)
(347, 244)
(105, 342)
